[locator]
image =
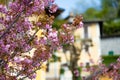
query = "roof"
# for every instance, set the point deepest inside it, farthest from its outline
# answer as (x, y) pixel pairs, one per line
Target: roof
(57, 13)
(110, 36)
(92, 21)
(85, 21)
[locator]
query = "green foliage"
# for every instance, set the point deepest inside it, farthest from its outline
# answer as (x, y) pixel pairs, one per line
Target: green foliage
(111, 28)
(55, 58)
(109, 9)
(57, 23)
(109, 59)
(79, 69)
(110, 12)
(62, 71)
(91, 13)
(104, 13)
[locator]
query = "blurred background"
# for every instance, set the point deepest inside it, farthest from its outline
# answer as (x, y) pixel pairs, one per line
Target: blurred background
(95, 43)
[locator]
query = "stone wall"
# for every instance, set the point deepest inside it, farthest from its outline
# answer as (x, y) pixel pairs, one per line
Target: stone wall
(110, 44)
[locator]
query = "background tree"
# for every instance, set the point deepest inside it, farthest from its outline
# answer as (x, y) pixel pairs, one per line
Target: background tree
(109, 13)
(92, 13)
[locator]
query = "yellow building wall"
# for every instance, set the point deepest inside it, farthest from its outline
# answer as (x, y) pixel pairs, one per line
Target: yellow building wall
(93, 33)
(41, 74)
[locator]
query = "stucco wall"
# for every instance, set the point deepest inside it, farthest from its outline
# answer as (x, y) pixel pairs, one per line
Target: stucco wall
(110, 44)
(94, 35)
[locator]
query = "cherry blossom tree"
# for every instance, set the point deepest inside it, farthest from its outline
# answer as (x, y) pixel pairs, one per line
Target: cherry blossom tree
(22, 51)
(112, 71)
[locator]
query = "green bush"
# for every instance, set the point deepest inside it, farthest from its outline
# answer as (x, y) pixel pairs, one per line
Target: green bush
(112, 27)
(109, 59)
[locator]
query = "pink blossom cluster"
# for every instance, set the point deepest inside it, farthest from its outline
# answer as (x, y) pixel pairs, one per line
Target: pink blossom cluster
(16, 40)
(112, 71)
(76, 72)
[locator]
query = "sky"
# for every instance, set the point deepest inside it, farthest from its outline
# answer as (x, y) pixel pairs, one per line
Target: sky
(80, 5)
